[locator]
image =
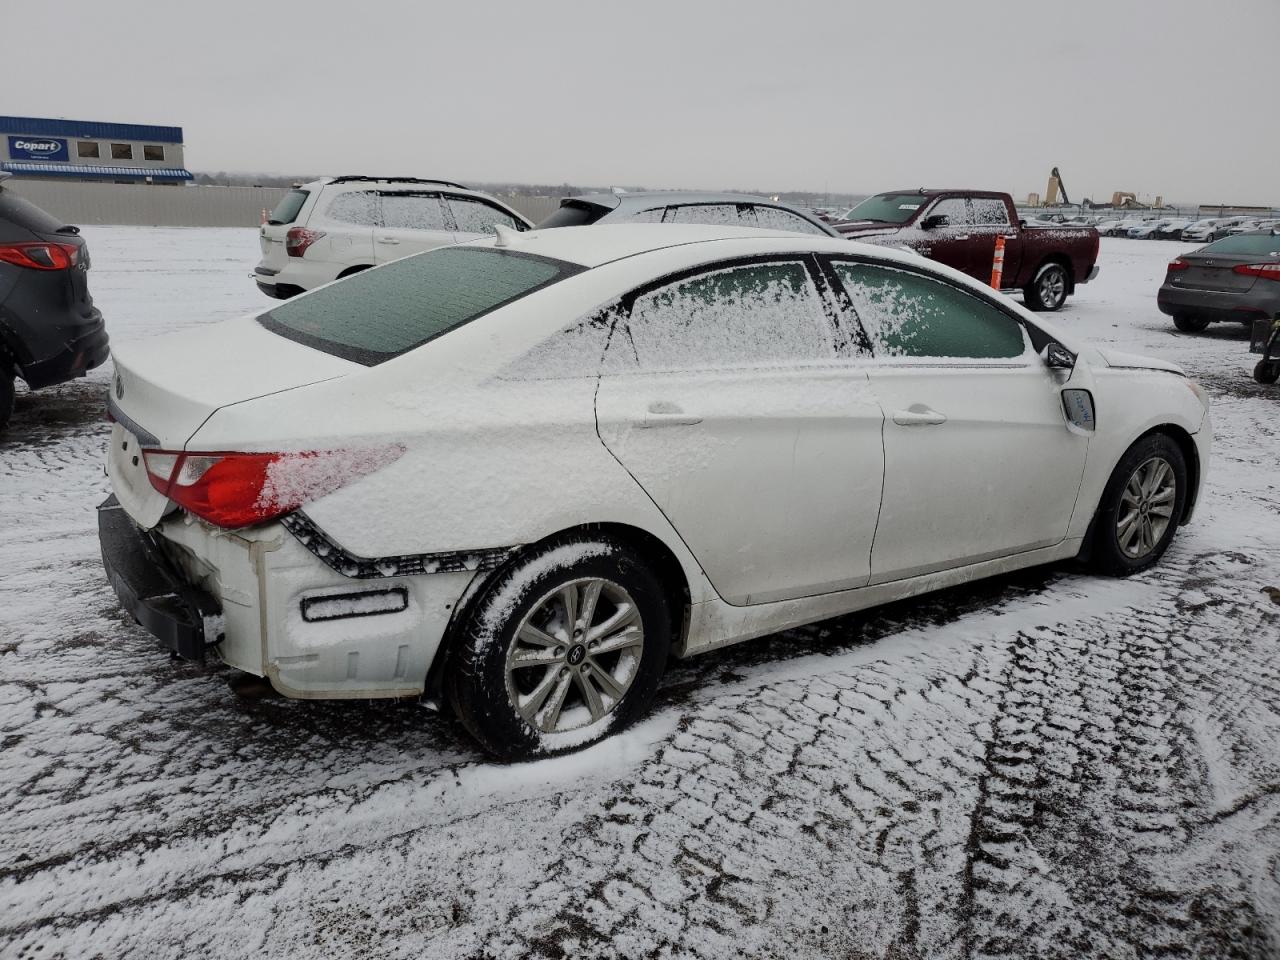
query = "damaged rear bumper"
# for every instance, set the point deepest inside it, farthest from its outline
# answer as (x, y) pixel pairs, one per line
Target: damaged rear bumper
(151, 588)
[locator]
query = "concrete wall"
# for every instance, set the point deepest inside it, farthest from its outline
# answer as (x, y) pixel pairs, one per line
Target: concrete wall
(185, 206)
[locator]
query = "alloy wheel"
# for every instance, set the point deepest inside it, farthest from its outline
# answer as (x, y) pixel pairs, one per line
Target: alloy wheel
(574, 655)
(1146, 507)
(1053, 287)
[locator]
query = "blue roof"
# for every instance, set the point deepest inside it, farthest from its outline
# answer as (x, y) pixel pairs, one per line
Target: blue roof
(94, 170)
(90, 129)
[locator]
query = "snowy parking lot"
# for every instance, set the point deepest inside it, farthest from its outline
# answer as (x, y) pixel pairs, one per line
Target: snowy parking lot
(1046, 764)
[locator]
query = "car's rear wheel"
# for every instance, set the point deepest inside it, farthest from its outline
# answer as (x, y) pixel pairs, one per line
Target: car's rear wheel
(1141, 506)
(1190, 324)
(1267, 371)
(561, 650)
(7, 391)
(1048, 290)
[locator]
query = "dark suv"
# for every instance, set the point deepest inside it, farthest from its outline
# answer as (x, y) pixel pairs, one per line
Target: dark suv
(50, 330)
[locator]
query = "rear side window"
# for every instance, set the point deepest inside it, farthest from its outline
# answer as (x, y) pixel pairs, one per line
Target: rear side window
(909, 315)
(988, 210)
(413, 211)
(287, 209)
(379, 314)
(476, 216)
(772, 218)
(713, 214)
(359, 207)
(758, 313)
(1246, 245)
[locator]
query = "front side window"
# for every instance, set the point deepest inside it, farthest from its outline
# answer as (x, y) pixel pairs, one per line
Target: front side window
(122, 151)
(88, 149)
(154, 153)
(773, 218)
(413, 211)
(955, 209)
(906, 314)
(379, 314)
(359, 207)
(989, 211)
(476, 216)
(646, 216)
(759, 313)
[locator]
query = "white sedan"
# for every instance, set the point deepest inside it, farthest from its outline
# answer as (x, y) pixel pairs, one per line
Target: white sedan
(516, 475)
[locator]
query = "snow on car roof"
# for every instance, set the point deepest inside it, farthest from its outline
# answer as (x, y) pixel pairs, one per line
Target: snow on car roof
(592, 246)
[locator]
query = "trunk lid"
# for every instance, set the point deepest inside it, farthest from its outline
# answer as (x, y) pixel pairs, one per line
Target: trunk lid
(165, 388)
(1214, 272)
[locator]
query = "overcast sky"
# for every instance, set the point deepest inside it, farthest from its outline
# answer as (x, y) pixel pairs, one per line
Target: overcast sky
(1173, 97)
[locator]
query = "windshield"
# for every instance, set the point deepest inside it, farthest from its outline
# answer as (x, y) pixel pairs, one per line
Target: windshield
(888, 208)
(1246, 245)
(379, 314)
(286, 210)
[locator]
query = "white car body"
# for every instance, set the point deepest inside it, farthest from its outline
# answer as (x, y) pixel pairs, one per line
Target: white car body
(360, 222)
(782, 493)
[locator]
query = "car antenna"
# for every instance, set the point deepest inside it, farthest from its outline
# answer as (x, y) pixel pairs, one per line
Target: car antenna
(506, 236)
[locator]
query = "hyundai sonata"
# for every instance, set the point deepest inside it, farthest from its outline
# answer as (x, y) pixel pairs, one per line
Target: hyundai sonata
(516, 475)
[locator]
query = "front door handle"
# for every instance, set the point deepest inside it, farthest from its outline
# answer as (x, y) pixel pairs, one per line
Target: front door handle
(663, 413)
(388, 240)
(918, 415)
(961, 236)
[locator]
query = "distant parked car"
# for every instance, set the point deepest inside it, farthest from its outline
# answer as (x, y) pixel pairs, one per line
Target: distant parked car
(338, 226)
(1122, 227)
(1245, 227)
(713, 209)
(1172, 229)
(1145, 230)
(1236, 278)
(1201, 231)
(1105, 227)
(50, 331)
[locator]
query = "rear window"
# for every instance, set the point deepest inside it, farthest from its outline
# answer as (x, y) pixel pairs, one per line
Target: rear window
(573, 214)
(25, 214)
(286, 210)
(380, 314)
(1246, 244)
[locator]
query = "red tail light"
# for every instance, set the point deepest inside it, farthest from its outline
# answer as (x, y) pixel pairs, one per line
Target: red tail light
(1179, 264)
(41, 256)
(1267, 271)
(242, 489)
(298, 239)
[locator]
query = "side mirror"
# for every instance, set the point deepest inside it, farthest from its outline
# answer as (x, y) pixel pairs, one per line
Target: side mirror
(1058, 357)
(934, 221)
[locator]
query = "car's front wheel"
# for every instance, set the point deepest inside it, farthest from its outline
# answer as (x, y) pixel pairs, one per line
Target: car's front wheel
(1048, 291)
(1267, 371)
(1141, 506)
(561, 650)
(1190, 324)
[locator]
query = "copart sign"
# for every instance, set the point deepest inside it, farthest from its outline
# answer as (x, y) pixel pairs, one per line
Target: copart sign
(37, 148)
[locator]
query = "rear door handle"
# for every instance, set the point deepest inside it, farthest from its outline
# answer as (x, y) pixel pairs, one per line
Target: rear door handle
(918, 415)
(388, 240)
(961, 236)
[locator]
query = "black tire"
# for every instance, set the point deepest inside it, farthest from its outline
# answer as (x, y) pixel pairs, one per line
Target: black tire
(476, 674)
(1190, 324)
(1267, 371)
(7, 389)
(1048, 289)
(1108, 555)
(352, 271)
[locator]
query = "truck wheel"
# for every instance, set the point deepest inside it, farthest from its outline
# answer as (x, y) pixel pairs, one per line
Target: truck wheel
(1048, 290)
(1189, 324)
(6, 395)
(1267, 371)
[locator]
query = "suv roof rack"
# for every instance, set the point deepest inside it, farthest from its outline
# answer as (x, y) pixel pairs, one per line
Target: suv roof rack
(349, 178)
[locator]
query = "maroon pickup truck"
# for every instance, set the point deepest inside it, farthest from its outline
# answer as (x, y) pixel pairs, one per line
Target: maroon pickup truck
(959, 228)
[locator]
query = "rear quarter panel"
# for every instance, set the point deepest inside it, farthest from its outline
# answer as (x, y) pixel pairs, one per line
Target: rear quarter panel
(1076, 245)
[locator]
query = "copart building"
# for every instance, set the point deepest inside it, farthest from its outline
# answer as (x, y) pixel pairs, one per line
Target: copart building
(42, 148)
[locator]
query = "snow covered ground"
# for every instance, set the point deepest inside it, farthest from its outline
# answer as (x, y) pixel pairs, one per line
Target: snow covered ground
(1047, 764)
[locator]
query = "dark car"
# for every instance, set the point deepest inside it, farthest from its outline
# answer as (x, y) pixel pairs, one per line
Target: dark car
(684, 207)
(960, 227)
(50, 331)
(1236, 278)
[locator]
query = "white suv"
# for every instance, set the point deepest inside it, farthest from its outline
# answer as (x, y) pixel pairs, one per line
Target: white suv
(337, 226)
